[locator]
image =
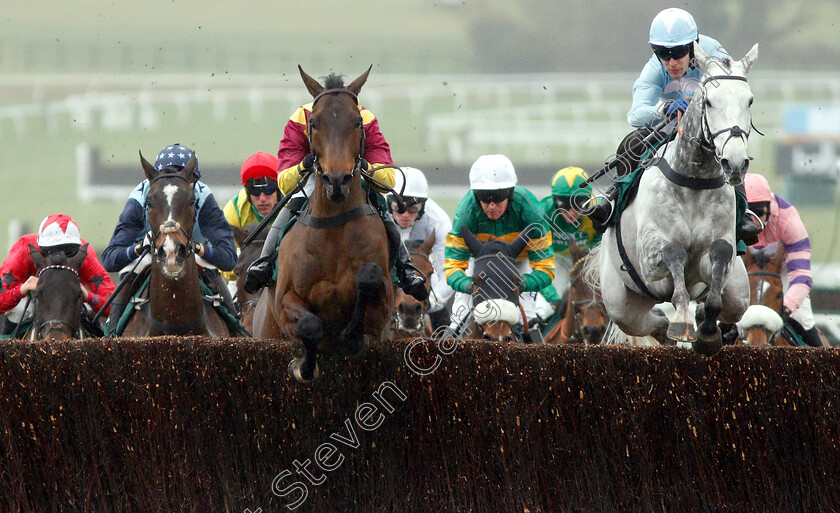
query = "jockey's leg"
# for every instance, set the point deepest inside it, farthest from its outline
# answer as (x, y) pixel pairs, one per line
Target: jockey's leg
(410, 281)
(213, 279)
(746, 230)
(261, 271)
(804, 318)
(120, 301)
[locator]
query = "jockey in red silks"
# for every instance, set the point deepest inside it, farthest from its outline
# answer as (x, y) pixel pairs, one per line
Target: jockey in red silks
(782, 224)
(18, 275)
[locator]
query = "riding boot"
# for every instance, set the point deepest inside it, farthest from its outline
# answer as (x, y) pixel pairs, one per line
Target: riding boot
(439, 318)
(812, 337)
(261, 272)
(412, 283)
(9, 326)
(535, 336)
(214, 281)
(747, 230)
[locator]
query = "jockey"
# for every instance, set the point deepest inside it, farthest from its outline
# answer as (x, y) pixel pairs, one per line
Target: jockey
(293, 155)
(783, 224)
(57, 233)
(258, 196)
(211, 232)
(496, 208)
(420, 218)
(562, 211)
(662, 92)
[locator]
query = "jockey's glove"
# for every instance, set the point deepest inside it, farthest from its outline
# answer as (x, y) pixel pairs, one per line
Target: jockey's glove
(675, 107)
(307, 163)
(147, 242)
(460, 282)
(786, 313)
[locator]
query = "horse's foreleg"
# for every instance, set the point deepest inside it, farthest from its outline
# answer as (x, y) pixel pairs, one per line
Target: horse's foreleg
(709, 337)
(681, 327)
(369, 286)
(306, 326)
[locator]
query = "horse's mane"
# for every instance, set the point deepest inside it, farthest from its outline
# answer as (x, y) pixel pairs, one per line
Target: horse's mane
(333, 81)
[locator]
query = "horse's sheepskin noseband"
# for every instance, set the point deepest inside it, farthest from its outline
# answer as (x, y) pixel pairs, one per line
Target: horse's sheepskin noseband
(494, 310)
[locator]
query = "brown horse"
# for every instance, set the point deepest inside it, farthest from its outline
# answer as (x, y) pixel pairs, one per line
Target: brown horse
(247, 254)
(410, 314)
(175, 304)
(333, 289)
(58, 297)
(586, 316)
(762, 326)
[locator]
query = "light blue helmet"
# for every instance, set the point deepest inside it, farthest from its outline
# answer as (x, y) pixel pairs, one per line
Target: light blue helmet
(673, 27)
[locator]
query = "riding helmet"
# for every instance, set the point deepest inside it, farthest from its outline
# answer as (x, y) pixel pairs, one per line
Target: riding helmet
(673, 27)
(57, 230)
(176, 155)
(492, 172)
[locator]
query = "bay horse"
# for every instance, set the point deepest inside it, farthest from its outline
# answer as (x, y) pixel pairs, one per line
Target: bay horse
(247, 254)
(59, 302)
(585, 320)
(175, 303)
(333, 291)
(761, 324)
(676, 240)
(410, 314)
(496, 287)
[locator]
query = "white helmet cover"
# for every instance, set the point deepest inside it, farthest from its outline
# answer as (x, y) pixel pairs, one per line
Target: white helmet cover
(416, 185)
(492, 172)
(673, 27)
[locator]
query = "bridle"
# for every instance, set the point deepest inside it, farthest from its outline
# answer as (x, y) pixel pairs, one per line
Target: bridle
(172, 226)
(706, 141)
(52, 325)
(360, 163)
(763, 274)
(400, 292)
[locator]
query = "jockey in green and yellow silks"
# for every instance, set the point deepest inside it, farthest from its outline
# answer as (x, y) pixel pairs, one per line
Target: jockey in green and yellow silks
(562, 211)
(496, 208)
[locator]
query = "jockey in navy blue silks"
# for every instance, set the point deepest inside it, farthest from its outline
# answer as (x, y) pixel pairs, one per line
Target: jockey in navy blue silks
(211, 232)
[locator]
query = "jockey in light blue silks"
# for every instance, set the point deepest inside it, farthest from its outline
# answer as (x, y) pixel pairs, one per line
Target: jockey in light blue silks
(661, 94)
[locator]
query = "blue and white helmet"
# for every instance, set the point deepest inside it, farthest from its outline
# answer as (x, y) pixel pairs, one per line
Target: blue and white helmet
(176, 155)
(673, 27)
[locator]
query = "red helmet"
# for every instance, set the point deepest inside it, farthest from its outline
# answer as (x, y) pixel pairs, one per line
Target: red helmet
(758, 190)
(260, 165)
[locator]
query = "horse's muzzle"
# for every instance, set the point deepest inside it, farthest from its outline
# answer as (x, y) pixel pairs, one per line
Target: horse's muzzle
(735, 172)
(337, 186)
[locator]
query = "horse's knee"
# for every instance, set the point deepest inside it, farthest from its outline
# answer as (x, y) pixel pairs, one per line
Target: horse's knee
(721, 251)
(309, 327)
(369, 280)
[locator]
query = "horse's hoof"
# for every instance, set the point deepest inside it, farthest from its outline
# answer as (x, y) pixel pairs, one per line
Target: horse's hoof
(295, 371)
(681, 332)
(358, 347)
(707, 347)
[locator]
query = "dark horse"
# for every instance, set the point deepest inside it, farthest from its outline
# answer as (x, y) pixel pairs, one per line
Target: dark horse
(175, 305)
(247, 254)
(586, 316)
(333, 288)
(761, 324)
(496, 287)
(58, 297)
(409, 313)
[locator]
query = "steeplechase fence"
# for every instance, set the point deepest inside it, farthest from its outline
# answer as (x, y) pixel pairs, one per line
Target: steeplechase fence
(187, 424)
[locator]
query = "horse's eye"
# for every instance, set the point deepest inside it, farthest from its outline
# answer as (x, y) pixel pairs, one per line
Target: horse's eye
(708, 103)
(359, 123)
(313, 125)
(751, 102)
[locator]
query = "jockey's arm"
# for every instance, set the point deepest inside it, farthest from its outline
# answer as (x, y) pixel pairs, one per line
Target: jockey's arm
(797, 257)
(456, 263)
(541, 258)
(95, 279)
(221, 252)
(130, 229)
(645, 110)
(13, 274)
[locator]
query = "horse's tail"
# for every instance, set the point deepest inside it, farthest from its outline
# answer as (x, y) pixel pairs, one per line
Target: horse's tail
(592, 268)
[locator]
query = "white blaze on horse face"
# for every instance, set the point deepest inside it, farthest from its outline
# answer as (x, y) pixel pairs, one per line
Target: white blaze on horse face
(169, 191)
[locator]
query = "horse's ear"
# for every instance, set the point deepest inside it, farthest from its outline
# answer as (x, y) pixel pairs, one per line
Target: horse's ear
(519, 243)
(38, 258)
(701, 56)
(312, 85)
(750, 58)
(79, 258)
(779, 255)
(428, 244)
(147, 168)
(238, 234)
(473, 244)
(356, 85)
(574, 249)
(189, 169)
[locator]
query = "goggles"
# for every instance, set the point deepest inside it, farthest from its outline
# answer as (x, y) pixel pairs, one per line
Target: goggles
(760, 209)
(492, 196)
(677, 52)
(410, 205)
(257, 186)
(569, 203)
